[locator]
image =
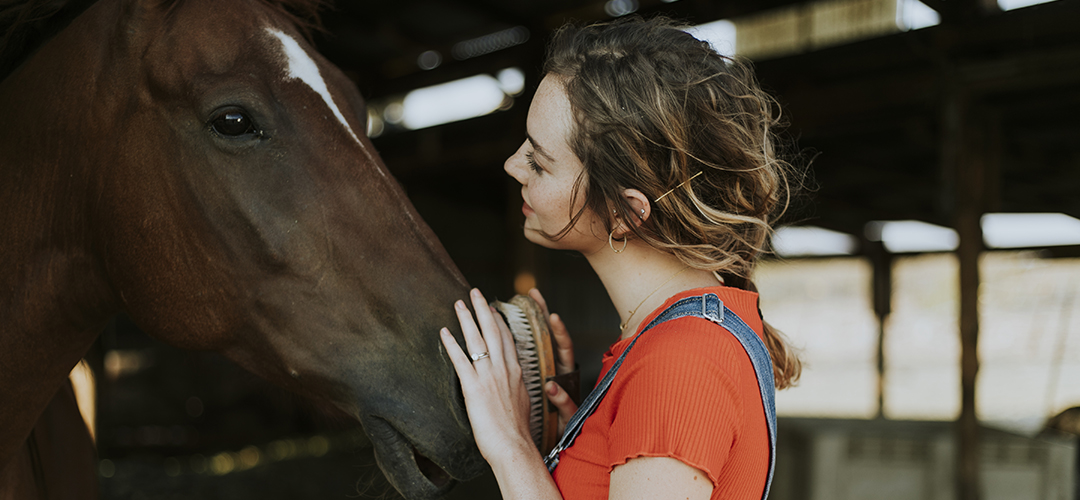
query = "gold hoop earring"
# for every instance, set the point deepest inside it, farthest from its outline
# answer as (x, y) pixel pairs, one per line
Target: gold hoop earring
(610, 237)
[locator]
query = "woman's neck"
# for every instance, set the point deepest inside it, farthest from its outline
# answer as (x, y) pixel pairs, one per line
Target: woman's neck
(642, 278)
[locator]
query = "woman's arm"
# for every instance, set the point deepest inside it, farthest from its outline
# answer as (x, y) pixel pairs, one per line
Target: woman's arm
(658, 478)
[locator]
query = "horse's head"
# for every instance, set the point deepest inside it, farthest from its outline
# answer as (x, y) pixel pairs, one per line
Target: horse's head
(239, 206)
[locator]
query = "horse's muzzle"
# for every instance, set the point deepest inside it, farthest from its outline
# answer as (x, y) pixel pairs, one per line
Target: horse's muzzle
(439, 477)
(417, 474)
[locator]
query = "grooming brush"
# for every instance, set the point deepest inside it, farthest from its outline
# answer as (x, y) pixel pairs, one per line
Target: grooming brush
(532, 337)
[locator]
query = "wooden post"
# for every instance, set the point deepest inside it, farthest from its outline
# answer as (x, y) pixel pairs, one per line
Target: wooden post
(967, 225)
(966, 157)
(881, 265)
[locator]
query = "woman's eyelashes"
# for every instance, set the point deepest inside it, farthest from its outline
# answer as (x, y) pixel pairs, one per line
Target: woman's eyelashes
(532, 162)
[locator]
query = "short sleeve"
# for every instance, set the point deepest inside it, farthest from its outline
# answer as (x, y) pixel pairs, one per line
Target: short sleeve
(676, 396)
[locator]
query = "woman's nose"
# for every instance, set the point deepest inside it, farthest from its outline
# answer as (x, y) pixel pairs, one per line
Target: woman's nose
(515, 165)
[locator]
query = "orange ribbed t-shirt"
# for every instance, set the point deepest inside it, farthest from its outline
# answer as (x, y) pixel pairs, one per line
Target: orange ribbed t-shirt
(687, 390)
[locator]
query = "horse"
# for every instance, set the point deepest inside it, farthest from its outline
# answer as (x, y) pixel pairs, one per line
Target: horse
(198, 166)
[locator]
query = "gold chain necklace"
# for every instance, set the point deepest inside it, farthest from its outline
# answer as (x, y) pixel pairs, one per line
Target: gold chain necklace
(622, 326)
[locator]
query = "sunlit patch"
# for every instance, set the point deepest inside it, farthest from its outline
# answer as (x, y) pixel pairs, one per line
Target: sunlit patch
(449, 102)
(302, 67)
(82, 382)
(802, 241)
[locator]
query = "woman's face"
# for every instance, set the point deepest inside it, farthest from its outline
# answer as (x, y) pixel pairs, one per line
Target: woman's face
(547, 169)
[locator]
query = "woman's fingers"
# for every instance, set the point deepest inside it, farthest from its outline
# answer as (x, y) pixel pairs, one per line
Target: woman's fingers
(535, 295)
(563, 403)
(462, 364)
(564, 347)
(474, 340)
(507, 337)
(489, 328)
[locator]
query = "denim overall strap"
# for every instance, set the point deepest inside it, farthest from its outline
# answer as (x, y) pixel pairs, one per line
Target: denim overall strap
(707, 306)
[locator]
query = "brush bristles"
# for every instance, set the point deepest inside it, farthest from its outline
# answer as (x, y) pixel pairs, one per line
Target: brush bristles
(529, 360)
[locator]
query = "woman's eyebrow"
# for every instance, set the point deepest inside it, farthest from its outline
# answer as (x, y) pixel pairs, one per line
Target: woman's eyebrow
(538, 148)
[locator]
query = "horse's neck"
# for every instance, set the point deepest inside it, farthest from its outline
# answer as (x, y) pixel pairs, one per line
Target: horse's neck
(54, 295)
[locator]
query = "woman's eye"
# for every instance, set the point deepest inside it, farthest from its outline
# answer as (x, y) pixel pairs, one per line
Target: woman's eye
(532, 163)
(233, 123)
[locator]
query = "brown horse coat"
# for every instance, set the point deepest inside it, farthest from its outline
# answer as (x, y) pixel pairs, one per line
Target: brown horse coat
(198, 166)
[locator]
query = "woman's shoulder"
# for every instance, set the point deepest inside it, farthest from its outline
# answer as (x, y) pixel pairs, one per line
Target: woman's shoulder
(695, 341)
(742, 303)
(688, 339)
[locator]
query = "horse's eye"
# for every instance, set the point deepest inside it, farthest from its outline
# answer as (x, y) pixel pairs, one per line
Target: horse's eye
(232, 123)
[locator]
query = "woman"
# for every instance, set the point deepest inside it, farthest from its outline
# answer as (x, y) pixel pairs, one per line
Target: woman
(651, 155)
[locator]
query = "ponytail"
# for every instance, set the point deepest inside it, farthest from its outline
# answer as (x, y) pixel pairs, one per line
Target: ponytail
(786, 366)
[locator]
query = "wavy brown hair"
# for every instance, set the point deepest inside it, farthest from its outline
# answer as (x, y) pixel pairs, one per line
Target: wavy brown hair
(660, 111)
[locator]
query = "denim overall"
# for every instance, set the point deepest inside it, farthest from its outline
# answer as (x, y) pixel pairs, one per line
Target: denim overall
(707, 306)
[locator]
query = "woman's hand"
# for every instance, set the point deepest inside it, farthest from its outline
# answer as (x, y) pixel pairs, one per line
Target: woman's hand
(495, 395)
(564, 362)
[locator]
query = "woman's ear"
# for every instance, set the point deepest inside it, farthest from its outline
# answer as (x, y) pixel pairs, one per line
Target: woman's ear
(640, 204)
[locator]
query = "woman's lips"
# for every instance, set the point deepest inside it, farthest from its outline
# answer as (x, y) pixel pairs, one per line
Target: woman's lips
(526, 209)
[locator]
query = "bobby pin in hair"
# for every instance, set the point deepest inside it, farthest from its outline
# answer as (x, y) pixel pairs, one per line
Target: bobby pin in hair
(677, 187)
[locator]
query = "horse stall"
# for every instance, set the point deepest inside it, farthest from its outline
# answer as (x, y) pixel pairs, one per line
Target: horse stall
(909, 460)
(936, 111)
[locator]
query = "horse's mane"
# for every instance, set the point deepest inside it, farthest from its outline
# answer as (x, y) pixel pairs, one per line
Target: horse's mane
(26, 24)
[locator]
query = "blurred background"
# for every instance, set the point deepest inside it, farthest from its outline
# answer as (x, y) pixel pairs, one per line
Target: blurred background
(929, 274)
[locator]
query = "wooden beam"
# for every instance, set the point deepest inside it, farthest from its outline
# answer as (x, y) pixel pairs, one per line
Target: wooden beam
(957, 11)
(703, 11)
(938, 5)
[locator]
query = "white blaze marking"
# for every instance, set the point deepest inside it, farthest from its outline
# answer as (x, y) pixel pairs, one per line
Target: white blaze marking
(303, 68)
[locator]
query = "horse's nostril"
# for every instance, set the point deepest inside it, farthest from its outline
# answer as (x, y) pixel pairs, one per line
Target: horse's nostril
(430, 470)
